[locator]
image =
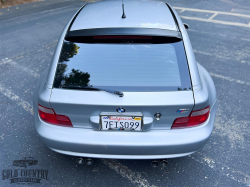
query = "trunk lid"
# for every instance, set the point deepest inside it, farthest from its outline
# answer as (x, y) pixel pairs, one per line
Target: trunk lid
(84, 107)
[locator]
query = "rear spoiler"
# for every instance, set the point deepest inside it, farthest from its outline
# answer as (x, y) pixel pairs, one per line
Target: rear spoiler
(90, 35)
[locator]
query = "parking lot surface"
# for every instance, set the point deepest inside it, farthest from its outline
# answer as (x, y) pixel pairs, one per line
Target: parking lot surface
(220, 36)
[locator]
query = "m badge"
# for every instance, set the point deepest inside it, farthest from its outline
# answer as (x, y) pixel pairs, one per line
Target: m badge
(182, 110)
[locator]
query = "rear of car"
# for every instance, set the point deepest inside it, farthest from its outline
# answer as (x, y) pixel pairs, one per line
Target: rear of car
(162, 114)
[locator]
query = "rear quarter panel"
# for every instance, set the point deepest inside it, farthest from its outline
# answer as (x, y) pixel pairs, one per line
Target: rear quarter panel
(208, 90)
(42, 93)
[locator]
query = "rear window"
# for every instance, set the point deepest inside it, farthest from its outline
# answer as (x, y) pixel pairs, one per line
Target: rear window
(123, 67)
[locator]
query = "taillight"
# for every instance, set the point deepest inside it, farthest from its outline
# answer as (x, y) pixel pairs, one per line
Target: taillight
(196, 117)
(48, 115)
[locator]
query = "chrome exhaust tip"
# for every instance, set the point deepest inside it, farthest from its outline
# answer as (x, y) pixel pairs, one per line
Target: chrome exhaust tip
(89, 161)
(164, 163)
(155, 163)
(79, 160)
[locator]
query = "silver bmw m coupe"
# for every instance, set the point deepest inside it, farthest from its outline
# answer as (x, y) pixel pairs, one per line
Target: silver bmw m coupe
(124, 84)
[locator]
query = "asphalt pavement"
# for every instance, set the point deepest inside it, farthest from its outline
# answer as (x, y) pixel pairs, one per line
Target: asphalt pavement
(220, 34)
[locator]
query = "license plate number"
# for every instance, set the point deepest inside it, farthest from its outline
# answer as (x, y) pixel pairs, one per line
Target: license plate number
(121, 123)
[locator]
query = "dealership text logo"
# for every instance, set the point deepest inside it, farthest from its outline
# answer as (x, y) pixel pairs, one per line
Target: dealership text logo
(24, 175)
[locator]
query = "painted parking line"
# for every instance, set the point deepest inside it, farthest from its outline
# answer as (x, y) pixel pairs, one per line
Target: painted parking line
(230, 79)
(20, 67)
(134, 177)
(217, 21)
(13, 97)
(31, 52)
(217, 34)
(221, 57)
(215, 14)
(237, 176)
(212, 19)
(212, 11)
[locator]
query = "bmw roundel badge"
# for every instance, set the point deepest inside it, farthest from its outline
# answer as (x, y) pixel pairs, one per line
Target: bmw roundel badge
(120, 110)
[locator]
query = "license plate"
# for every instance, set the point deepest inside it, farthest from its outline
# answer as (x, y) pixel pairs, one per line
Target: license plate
(121, 123)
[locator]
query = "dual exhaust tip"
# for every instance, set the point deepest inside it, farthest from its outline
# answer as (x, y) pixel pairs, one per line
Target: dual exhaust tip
(162, 163)
(154, 163)
(88, 161)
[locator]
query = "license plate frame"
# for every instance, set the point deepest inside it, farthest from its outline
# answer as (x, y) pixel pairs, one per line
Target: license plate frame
(117, 116)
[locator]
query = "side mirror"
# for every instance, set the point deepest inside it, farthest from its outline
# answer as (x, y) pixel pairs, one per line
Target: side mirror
(186, 26)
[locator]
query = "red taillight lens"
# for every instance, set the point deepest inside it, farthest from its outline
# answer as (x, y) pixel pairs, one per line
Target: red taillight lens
(196, 117)
(48, 115)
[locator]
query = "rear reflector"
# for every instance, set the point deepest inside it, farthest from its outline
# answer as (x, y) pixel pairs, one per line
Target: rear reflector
(48, 115)
(196, 117)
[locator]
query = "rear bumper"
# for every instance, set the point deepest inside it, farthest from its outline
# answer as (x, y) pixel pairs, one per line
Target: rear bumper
(121, 156)
(153, 144)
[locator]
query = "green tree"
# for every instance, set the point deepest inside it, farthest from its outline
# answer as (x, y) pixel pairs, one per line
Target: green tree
(69, 49)
(77, 77)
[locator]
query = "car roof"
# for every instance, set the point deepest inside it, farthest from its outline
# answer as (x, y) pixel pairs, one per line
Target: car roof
(139, 14)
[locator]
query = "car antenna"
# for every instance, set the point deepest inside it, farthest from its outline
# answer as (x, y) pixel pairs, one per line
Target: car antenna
(123, 14)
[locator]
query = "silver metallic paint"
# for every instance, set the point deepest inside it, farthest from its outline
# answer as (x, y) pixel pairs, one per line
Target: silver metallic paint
(152, 14)
(210, 87)
(155, 143)
(152, 144)
(83, 106)
(121, 156)
(42, 93)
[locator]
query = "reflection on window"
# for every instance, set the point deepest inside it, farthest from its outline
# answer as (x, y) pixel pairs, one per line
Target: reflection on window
(69, 49)
(76, 77)
(125, 67)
